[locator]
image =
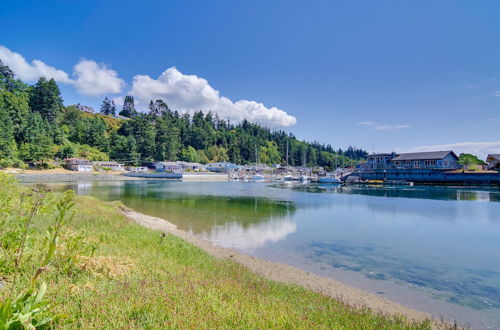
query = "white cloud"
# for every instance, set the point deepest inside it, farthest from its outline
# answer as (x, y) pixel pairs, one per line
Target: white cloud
(391, 127)
(497, 93)
(94, 79)
(383, 127)
(91, 78)
(481, 149)
(118, 102)
(181, 92)
(190, 93)
(31, 71)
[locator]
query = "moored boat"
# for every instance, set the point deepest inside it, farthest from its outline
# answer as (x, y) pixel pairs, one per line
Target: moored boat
(328, 179)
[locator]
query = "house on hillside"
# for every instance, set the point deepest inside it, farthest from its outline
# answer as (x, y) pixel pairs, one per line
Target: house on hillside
(78, 164)
(84, 108)
(493, 161)
(426, 160)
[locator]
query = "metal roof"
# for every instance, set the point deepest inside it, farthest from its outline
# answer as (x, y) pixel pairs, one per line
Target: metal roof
(493, 156)
(424, 155)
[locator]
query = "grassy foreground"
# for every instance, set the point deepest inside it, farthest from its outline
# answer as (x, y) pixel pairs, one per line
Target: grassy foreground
(108, 272)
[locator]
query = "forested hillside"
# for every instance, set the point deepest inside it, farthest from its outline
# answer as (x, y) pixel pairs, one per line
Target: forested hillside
(36, 127)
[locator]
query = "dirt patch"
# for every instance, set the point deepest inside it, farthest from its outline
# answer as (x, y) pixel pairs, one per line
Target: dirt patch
(284, 273)
(101, 266)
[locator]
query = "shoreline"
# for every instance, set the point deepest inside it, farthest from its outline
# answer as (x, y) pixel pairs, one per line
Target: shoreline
(279, 272)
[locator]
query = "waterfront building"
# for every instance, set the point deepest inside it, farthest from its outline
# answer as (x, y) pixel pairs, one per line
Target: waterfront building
(377, 161)
(221, 167)
(78, 164)
(426, 160)
(178, 166)
(114, 166)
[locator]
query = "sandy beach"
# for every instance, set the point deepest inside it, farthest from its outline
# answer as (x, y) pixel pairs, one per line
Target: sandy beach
(284, 273)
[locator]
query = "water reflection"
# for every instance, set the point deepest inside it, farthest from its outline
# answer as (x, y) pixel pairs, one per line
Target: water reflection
(484, 194)
(441, 239)
(233, 235)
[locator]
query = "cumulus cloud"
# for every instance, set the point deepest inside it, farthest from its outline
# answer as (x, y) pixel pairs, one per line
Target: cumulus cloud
(383, 127)
(190, 93)
(31, 71)
(94, 79)
(481, 149)
(181, 92)
(91, 78)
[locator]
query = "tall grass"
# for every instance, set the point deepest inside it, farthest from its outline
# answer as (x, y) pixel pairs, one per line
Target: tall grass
(105, 271)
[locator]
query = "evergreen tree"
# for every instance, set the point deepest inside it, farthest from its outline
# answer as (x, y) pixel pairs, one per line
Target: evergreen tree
(128, 107)
(45, 98)
(8, 147)
(108, 107)
(7, 78)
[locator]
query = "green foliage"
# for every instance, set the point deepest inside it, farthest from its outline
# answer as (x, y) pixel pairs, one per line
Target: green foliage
(269, 154)
(67, 150)
(128, 107)
(26, 311)
(35, 127)
(45, 98)
(91, 153)
(108, 107)
(190, 154)
(24, 256)
(469, 159)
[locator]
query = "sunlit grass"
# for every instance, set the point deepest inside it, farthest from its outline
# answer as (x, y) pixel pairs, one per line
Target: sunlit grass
(136, 278)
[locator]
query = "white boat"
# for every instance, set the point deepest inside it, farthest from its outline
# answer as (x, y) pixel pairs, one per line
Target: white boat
(258, 177)
(288, 178)
(328, 179)
(303, 178)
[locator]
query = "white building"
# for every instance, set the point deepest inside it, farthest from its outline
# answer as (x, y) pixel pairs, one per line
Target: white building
(177, 166)
(84, 108)
(113, 166)
(78, 164)
(221, 167)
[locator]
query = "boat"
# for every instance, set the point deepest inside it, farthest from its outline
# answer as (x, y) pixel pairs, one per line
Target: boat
(328, 179)
(258, 177)
(288, 178)
(303, 178)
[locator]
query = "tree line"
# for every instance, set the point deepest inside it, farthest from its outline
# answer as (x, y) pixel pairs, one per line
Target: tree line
(36, 127)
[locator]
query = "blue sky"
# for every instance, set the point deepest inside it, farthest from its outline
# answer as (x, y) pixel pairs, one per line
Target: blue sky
(382, 75)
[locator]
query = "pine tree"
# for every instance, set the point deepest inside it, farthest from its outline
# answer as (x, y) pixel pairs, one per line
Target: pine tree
(108, 107)
(7, 78)
(45, 98)
(128, 107)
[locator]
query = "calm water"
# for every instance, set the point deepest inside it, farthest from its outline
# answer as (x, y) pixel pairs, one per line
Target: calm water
(436, 249)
